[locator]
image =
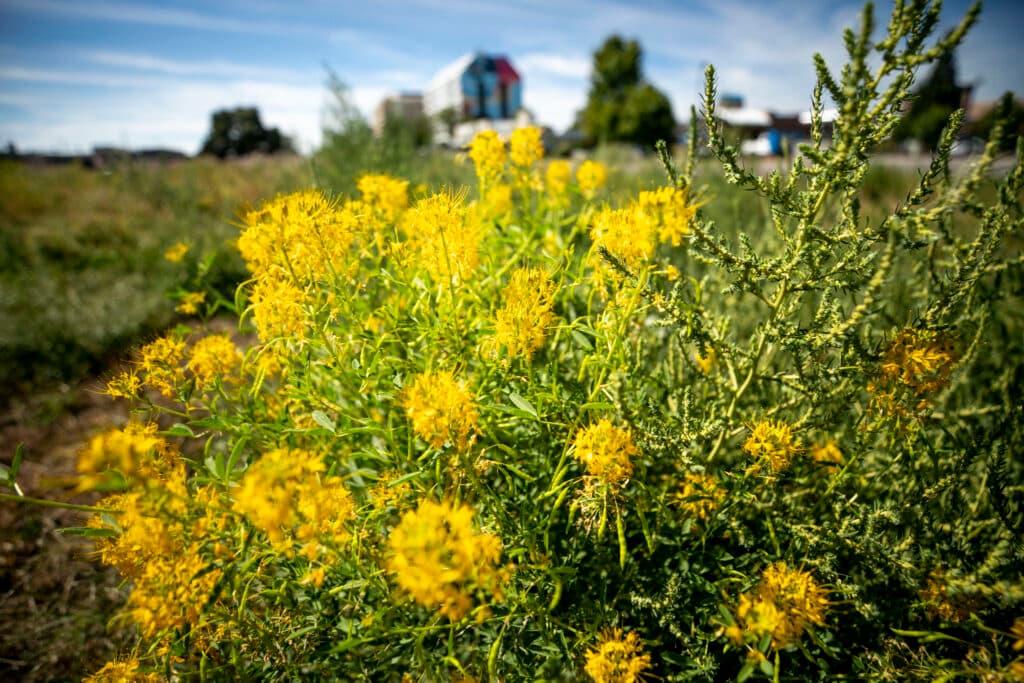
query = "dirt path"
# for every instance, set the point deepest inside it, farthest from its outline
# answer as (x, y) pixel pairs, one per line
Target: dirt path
(54, 601)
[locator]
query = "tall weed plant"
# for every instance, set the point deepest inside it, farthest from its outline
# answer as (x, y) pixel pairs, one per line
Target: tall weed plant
(535, 436)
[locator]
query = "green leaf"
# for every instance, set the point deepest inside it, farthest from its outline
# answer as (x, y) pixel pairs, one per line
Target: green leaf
(87, 531)
(324, 421)
(582, 340)
(180, 429)
(523, 404)
(19, 453)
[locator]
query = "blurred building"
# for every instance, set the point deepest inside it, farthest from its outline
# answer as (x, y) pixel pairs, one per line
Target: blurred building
(475, 86)
(406, 106)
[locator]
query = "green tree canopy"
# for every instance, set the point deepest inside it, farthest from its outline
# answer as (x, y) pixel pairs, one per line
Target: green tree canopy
(622, 106)
(936, 98)
(237, 132)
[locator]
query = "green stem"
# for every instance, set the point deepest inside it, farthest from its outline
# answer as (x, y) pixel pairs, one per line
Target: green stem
(42, 502)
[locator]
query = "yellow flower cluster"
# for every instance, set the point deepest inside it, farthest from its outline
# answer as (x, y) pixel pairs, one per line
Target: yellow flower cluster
(943, 603)
(591, 177)
(625, 233)
(556, 178)
(488, 154)
(525, 146)
(277, 308)
(439, 559)
(172, 582)
(700, 495)
(387, 197)
(606, 451)
(783, 605)
(176, 252)
(669, 213)
(632, 233)
(303, 236)
(170, 593)
(617, 658)
(126, 671)
(214, 357)
(827, 453)
(190, 303)
(773, 443)
(143, 535)
(441, 409)
(284, 495)
(135, 451)
(915, 365)
(160, 364)
(497, 201)
(520, 325)
(445, 243)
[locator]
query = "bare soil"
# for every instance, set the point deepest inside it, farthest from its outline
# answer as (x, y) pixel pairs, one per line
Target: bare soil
(55, 602)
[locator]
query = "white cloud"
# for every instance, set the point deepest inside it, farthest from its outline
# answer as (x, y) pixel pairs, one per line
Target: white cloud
(570, 66)
(206, 69)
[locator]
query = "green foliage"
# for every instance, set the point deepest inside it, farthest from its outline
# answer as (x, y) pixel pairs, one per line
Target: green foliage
(238, 132)
(621, 106)
(82, 267)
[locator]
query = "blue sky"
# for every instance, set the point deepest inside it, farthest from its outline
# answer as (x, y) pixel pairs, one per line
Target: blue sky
(134, 73)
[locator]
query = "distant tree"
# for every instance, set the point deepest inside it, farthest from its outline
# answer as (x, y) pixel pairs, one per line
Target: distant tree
(622, 106)
(1013, 109)
(936, 98)
(237, 132)
(448, 117)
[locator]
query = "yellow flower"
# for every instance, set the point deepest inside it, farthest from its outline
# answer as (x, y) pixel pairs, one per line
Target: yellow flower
(591, 176)
(700, 495)
(386, 493)
(827, 453)
(176, 252)
(522, 322)
(1018, 632)
(172, 592)
(497, 201)
(439, 559)
(124, 671)
(556, 180)
(190, 303)
(625, 233)
(707, 361)
(126, 385)
(525, 146)
(784, 604)
(134, 451)
(445, 243)
(277, 308)
(488, 154)
(212, 357)
(772, 442)
(302, 235)
(284, 495)
(160, 364)
(666, 207)
(617, 658)
(441, 409)
(915, 365)
(386, 196)
(606, 451)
